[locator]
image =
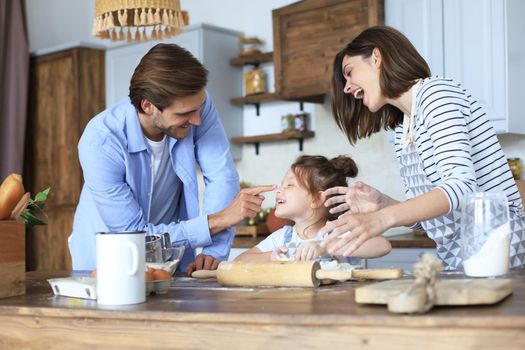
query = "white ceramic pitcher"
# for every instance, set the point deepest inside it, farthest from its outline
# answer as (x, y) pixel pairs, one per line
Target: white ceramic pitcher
(120, 268)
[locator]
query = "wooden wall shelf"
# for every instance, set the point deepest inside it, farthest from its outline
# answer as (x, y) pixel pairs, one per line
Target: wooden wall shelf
(257, 99)
(255, 59)
(254, 99)
(288, 135)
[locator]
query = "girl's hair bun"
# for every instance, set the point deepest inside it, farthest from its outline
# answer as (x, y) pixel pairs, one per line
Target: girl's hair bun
(344, 165)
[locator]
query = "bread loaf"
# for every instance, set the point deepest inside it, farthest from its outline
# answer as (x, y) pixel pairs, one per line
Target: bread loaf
(11, 191)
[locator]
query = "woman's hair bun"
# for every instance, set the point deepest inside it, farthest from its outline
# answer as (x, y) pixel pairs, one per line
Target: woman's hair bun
(345, 165)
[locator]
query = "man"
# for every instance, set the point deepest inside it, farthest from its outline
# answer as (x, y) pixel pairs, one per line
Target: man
(139, 161)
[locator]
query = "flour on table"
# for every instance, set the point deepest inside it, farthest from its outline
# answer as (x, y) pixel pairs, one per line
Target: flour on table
(334, 265)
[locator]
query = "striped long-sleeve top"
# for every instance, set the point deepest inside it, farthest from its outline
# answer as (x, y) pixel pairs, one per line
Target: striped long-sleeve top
(458, 153)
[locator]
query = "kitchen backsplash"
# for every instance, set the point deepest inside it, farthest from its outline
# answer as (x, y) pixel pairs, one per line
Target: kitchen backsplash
(374, 156)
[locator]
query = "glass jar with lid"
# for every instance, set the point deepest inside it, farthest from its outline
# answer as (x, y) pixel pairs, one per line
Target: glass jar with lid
(516, 167)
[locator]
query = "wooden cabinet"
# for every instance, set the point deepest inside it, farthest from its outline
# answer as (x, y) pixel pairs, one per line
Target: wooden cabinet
(66, 91)
(213, 47)
(478, 43)
(308, 34)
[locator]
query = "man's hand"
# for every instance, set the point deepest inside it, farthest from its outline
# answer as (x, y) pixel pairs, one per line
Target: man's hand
(247, 204)
(202, 262)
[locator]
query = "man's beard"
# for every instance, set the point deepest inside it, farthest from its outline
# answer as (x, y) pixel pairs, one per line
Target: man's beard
(176, 133)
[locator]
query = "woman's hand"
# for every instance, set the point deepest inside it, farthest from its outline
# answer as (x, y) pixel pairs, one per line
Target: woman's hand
(279, 254)
(358, 197)
(309, 251)
(346, 234)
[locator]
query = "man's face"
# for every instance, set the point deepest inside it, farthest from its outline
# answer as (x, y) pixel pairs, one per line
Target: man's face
(176, 119)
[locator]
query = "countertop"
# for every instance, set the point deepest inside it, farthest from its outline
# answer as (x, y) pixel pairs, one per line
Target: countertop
(203, 315)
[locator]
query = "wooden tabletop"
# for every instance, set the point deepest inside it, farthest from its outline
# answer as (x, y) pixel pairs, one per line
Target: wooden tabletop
(203, 314)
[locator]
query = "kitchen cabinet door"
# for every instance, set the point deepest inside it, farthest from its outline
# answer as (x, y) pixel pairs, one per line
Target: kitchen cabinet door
(421, 22)
(66, 91)
(474, 43)
(308, 34)
(211, 45)
(482, 48)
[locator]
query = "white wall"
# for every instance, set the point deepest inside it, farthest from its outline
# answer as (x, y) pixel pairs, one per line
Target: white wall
(375, 157)
(57, 22)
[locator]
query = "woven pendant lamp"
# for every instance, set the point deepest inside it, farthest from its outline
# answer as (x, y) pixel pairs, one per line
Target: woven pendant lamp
(128, 19)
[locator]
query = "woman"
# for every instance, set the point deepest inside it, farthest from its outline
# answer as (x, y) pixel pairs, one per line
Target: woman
(444, 143)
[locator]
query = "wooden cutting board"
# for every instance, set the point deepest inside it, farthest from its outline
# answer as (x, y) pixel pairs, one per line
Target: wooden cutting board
(448, 292)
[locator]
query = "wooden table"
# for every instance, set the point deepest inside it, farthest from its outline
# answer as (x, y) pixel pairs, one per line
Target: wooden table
(203, 315)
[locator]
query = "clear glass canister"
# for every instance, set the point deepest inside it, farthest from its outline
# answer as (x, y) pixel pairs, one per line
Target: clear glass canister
(254, 82)
(516, 167)
(288, 122)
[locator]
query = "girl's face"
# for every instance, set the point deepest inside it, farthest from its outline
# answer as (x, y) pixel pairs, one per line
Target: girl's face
(292, 201)
(362, 79)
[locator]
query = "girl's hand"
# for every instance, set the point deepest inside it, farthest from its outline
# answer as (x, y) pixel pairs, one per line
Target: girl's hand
(279, 254)
(358, 197)
(309, 251)
(346, 234)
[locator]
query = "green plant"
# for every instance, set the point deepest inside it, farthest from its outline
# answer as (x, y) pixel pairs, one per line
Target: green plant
(35, 207)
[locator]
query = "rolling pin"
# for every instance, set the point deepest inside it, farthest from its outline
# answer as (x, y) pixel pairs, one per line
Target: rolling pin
(286, 274)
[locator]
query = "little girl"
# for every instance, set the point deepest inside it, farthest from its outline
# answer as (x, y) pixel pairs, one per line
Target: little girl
(300, 198)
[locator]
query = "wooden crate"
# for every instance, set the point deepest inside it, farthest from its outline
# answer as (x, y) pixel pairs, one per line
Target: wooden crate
(12, 258)
(47, 246)
(306, 37)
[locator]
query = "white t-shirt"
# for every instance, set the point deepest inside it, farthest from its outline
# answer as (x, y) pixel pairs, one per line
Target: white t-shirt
(163, 176)
(276, 239)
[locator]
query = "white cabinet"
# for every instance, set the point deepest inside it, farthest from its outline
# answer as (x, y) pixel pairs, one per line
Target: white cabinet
(479, 43)
(422, 23)
(211, 45)
(404, 258)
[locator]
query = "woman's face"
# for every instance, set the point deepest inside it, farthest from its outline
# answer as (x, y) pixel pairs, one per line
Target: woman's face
(292, 201)
(362, 79)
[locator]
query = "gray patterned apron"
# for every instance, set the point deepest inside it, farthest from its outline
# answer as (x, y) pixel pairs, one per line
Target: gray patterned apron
(444, 230)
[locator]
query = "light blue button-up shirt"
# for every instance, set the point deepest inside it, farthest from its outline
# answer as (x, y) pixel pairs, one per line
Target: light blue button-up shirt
(116, 163)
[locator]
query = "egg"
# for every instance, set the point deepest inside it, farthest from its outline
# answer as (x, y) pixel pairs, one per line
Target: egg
(161, 275)
(149, 274)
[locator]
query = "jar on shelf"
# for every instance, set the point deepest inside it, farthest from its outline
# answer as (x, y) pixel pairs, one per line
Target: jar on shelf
(287, 122)
(515, 167)
(300, 122)
(254, 82)
(250, 46)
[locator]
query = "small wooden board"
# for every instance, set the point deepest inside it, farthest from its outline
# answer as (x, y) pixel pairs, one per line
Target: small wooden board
(448, 292)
